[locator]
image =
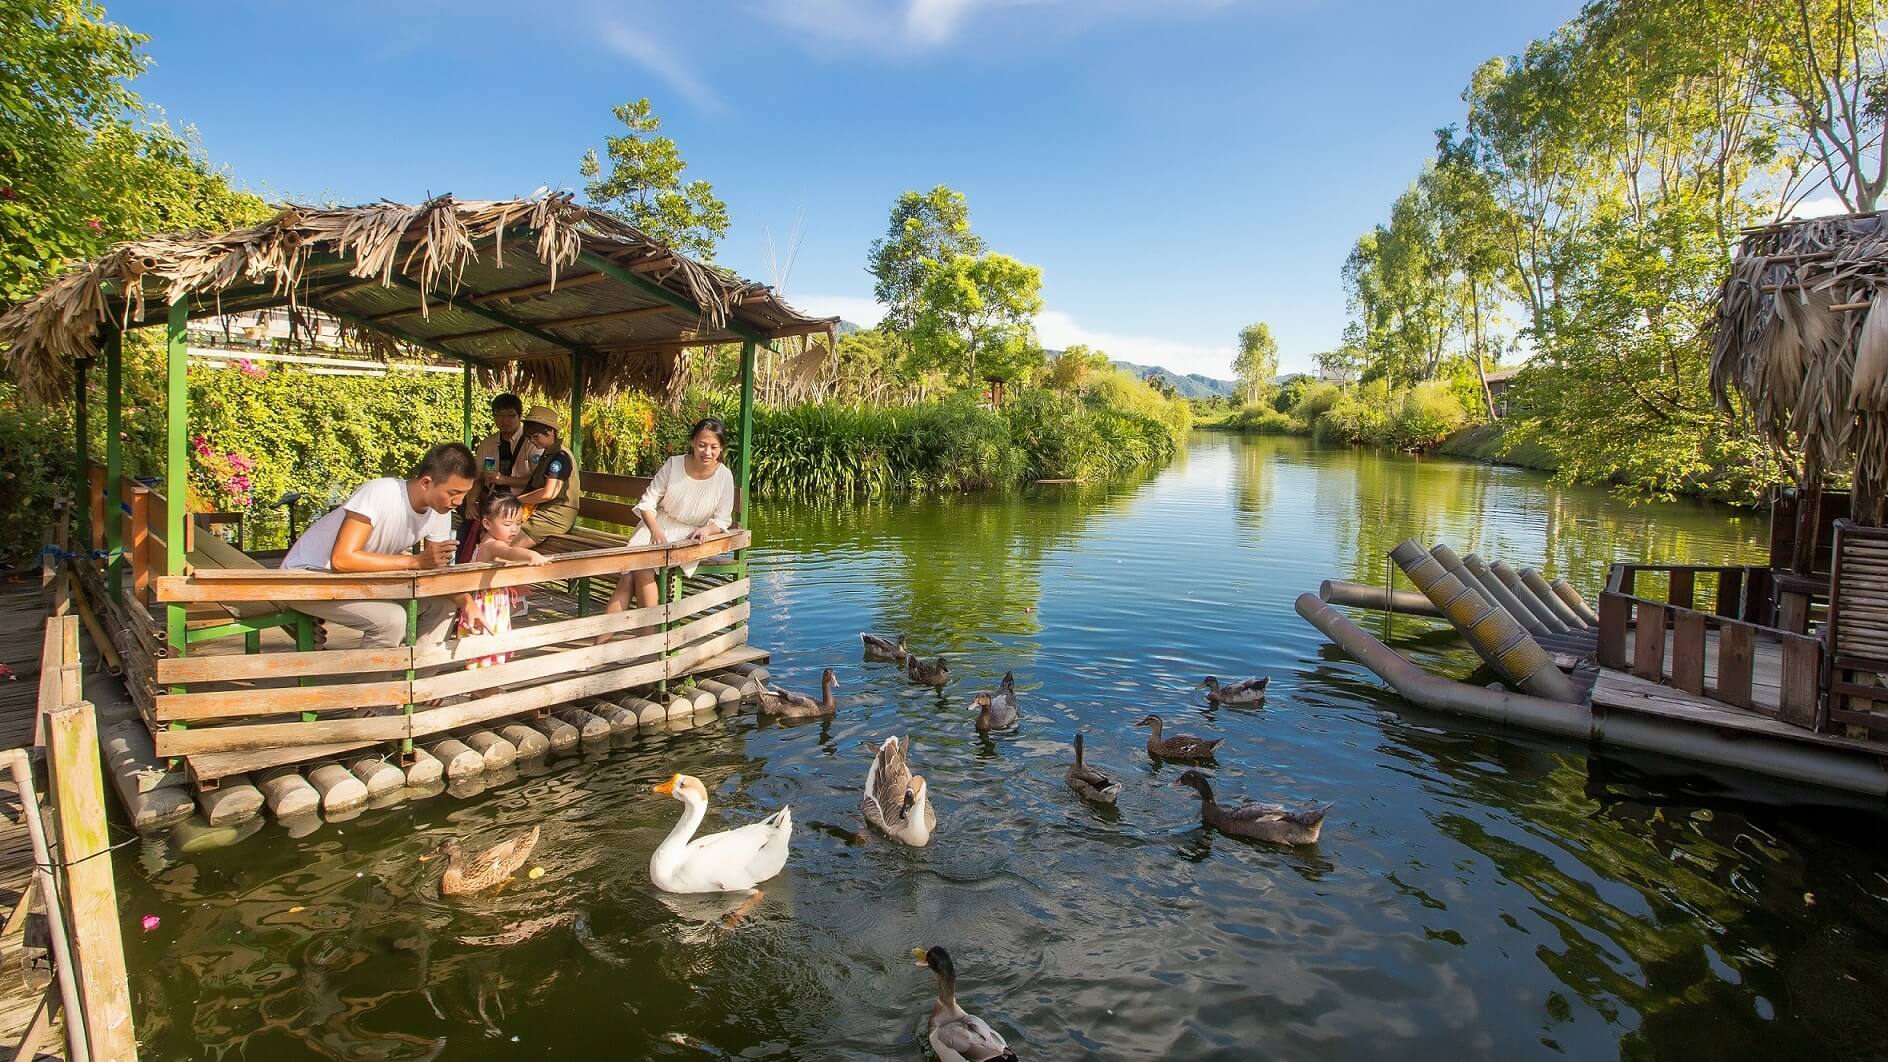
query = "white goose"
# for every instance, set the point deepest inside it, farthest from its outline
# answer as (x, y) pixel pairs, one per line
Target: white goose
(896, 801)
(733, 861)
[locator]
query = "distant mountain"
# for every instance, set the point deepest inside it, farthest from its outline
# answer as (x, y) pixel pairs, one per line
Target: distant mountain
(1192, 385)
(846, 327)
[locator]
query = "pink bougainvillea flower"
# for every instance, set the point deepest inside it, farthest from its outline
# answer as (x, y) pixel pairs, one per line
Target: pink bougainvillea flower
(95, 225)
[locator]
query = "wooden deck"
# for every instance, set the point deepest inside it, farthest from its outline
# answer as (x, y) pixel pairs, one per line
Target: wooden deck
(25, 971)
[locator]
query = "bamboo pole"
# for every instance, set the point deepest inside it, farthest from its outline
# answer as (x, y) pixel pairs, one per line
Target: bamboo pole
(114, 460)
(106, 649)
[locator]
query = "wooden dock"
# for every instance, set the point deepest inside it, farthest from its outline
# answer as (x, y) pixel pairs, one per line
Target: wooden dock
(25, 971)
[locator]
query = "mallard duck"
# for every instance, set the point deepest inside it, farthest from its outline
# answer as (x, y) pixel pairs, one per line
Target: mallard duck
(955, 1035)
(1267, 822)
(475, 873)
(1179, 746)
(897, 801)
(1088, 782)
(1244, 691)
(878, 647)
(997, 711)
(936, 674)
(783, 704)
(733, 861)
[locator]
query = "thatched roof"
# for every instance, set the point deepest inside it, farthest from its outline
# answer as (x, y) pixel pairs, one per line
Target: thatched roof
(515, 287)
(1800, 341)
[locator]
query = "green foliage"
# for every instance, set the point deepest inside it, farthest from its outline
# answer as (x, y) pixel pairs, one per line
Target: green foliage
(645, 188)
(1110, 388)
(1262, 419)
(925, 230)
(80, 166)
(1072, 369)
(36, 464)
(1314, 400)
(1256, 364)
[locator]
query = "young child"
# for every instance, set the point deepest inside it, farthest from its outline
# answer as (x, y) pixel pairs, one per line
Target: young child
(489, 611)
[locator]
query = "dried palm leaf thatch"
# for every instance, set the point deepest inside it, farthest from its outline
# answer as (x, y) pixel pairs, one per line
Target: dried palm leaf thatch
(423, 248)
(1800, 349)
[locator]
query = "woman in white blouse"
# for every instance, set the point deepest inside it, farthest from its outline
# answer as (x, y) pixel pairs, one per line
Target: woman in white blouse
(691, 498)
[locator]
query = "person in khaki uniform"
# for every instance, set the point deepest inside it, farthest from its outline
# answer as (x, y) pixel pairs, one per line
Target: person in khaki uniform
(553, 488)
(504, 461)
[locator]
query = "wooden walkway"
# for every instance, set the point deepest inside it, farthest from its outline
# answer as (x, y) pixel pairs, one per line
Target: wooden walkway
(25, 972)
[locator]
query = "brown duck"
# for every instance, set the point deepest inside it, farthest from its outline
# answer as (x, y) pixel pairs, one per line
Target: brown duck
(475, 873)
(1179, 746)
(880, 648)
(784, 704)
(934, 674)
(1089, 783)
(1266, 822)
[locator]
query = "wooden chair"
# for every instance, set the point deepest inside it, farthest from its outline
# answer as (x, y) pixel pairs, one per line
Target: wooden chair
(1856, 635)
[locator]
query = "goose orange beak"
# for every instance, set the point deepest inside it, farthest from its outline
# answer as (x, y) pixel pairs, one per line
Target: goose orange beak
(668, 788)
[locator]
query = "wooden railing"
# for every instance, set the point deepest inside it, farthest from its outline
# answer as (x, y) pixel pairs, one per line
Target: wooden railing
(1743, 648)
(282, 697)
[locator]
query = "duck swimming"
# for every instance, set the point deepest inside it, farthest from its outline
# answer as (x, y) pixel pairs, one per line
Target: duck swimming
(1089, 783)
(1244, 691)
(880, 648)
(733, 861)
(955, 1035)
(897, 802)
(468, 874)
(783, 704)
(935, 674)
(997, 711)
(1179, 746)
(1267, 822)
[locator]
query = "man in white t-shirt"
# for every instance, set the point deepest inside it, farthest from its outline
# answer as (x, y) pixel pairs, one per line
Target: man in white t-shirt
(375, 530)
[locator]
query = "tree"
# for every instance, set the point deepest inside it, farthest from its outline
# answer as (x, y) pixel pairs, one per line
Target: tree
(81, 167)
(1257, 361)
(644, 186)
(1826, 68)
(1072, 369)
(925, 231)
(976, 318)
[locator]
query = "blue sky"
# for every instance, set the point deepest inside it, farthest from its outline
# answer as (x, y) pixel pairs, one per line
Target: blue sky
(1177, 168)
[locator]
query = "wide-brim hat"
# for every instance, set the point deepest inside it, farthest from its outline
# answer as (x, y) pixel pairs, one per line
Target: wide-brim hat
(544, 415)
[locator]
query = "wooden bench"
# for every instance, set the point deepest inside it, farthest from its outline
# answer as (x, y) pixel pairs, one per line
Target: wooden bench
(247, 618)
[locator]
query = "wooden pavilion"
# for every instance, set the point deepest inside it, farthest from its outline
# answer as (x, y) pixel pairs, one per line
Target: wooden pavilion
(540, 294)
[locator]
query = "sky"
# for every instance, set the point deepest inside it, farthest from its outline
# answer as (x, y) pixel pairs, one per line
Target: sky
(1178, 169)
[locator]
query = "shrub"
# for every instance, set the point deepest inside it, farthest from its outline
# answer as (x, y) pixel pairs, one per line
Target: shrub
(1262, 420)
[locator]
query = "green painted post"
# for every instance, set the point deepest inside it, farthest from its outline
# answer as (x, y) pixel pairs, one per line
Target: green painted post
(466, 392)
(176, 467)
(580, 588)
(114, 462)
(81, 475)
(412, 638)
(744, 460)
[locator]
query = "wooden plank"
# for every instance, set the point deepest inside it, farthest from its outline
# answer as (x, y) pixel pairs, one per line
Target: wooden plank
(602, 509)
(1683, 582)
(217, 585)
(696, 656)
(1648, 642)
(1801, 685)
(209, 766)
(516, 702)
(1615, 610)
(277, 700)
(279, 664)
(707, 599)
(78, 795)
(1688, 628)
(714, 621)
(255, 736)
(537, 635)
(1734, 664)
(1731, 593)
(619, 651)
(614, 485)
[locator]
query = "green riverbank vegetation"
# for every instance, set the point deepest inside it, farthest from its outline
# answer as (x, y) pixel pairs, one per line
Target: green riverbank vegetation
(1577, 220)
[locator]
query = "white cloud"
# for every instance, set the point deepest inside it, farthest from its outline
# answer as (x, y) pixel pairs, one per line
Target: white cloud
(1057, 331)
(1819, 206)
(860, 310)
(659, 59)
(915, 25)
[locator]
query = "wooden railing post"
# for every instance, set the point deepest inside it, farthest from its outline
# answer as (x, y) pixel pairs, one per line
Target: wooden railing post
(1688, 629)
(1736, 660)
(1648, 642)
(78, 795)
(1615, 610)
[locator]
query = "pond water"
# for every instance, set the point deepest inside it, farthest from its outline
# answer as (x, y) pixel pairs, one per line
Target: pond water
(1475, 894)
